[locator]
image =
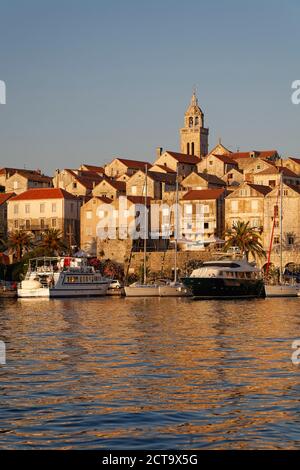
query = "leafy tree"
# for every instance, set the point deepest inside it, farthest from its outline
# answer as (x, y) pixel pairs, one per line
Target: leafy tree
(20, 242)
(52, 241)
(246, 238)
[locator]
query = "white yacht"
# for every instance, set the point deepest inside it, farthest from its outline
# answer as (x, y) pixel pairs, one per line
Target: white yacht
(62, 277)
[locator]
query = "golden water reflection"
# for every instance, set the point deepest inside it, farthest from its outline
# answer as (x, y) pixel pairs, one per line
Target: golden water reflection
(153, 373)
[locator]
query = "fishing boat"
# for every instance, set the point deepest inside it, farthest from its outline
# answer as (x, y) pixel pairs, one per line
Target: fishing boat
(52, 277)
(281, 289)
(143, 289)
(226, 279)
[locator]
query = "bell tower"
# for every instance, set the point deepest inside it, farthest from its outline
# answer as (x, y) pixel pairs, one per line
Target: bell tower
(194, 136)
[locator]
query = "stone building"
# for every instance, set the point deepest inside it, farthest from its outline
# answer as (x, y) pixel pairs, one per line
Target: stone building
(291, 217)
(37, 210)
(210, 203)
(292, 164)
(158, 184)
(112, 189)
(89, 219)
(194, 136)
(120, 166)
(233, 178)
(271, 176)
(247, 204)
(244, 159)
(79, 182)
(4, 197)
(174, 161)
(217, 165)
(22, 180)
(201, 181)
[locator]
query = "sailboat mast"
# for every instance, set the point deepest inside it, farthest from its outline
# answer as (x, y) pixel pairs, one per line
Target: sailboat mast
(176, 228)
(146, 224)
(281, 227)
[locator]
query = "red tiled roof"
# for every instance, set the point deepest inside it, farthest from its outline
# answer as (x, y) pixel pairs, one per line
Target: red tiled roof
(119, 185)
(203, 194)
(94, 168)
(5, 196)
(277, 170)
(295, 160)
(225, 159)
(260, 188)
(163, 167)
(87, 179)
(139, 199)
(133, 163)
(259, 154)
(184, 157)
(162, 177)
(43, 193)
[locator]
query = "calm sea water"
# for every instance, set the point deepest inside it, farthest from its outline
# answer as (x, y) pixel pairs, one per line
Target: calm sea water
(150, 373)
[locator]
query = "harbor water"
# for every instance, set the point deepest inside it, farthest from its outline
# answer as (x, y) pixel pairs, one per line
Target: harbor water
(126, 373)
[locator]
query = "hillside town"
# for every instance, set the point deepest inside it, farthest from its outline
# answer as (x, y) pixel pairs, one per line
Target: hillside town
(230, 185)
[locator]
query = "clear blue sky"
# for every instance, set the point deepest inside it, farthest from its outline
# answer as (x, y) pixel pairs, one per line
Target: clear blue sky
(88, 80)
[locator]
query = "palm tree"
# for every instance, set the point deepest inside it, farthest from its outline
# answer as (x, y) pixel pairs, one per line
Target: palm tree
(19, 242)
(246, 238)
(52, 241)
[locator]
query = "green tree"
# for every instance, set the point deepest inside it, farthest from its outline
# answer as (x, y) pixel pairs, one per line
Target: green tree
(19, 242)
(52, 242)
(246, 238)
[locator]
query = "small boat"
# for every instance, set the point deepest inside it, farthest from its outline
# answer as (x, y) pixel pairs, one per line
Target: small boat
(282, 290)
(142, 290)
(226, 279)
(62, 277)
(7, 292)
(173, 289)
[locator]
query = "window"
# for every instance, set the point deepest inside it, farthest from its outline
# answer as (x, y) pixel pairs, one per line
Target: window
(193, 148)
(234, 206)
(285, 192)
(188, 149)
(42, 208)
(272, 183)
(42, 224)
(276, 240)
(54, 207)
(74, 185)
(133, 190)
(16, 208)
(188, 209)
(27, 208)
(27, 224)
(89, 214)
(53, 223)
(16, 224)
(290, 240)
(254, 205)
(211, 162)
(190, 122)
(206, 225)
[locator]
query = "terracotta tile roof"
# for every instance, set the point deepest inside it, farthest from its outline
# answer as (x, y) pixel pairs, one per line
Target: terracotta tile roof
(184, 158)
(43, 193)
(134, 164)
(259, 154)
(5, 196)
(119, 185)
(277, 170)
(87, 179)
(213, 179)
(163, 167)
(162, 177)
(94, 168)
(260, 188)
(295, 160)
(203, 194)
(225, 159)
(139, 199)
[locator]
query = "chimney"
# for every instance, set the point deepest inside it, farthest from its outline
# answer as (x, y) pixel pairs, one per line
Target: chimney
(159, 151)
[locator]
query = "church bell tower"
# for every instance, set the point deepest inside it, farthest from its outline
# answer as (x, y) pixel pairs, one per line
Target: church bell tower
(194, 136)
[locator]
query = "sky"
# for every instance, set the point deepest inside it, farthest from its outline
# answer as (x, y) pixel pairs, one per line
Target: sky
(90, 80)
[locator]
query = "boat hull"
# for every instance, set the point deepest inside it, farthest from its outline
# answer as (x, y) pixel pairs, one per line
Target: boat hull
(173, 291)
(218, 288)
(94, 291)
(141, 291)
(282, 291)
(42, 292)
